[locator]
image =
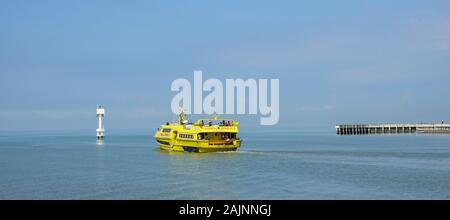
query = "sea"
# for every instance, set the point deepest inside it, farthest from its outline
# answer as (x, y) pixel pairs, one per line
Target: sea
(287, 164)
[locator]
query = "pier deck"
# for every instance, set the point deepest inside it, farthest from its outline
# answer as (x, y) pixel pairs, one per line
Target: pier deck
(359, 129)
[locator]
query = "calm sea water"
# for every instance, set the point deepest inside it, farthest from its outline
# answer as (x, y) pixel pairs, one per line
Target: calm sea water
(280, 165)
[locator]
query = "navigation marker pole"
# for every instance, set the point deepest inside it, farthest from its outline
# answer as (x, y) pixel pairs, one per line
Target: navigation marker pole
(100, 130)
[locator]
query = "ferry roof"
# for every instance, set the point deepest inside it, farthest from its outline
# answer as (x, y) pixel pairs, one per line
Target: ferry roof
(215, 119)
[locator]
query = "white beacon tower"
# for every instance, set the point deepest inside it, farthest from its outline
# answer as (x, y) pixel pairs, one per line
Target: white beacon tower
(100, 130)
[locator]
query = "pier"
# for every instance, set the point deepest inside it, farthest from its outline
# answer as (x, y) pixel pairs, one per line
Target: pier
(361, 129)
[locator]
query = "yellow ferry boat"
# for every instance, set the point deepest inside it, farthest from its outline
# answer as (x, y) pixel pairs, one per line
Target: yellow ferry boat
(205, 135)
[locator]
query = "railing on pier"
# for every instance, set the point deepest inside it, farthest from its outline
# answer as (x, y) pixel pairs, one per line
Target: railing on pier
(359, 129)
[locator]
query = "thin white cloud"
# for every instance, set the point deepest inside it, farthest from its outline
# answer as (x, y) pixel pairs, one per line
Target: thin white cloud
(64, 114)
(433, 32)
(324, 108)
(57, 114)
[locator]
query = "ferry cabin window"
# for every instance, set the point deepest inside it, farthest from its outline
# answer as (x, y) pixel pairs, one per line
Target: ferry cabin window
(166, 130)
(187, 136)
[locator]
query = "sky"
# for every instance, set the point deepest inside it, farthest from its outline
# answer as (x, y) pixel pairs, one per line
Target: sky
(337, 61)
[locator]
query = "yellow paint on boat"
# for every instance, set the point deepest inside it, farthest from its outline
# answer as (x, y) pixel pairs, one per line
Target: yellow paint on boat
(205, 135)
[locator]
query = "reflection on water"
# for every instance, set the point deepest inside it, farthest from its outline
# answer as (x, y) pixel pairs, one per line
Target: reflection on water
(100, 142)
(199, 174)
(285, 165)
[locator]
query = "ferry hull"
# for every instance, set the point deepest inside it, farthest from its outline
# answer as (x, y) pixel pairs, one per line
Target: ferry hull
(200, 148)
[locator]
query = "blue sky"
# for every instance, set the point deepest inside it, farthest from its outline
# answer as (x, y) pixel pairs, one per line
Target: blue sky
(338, 62)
